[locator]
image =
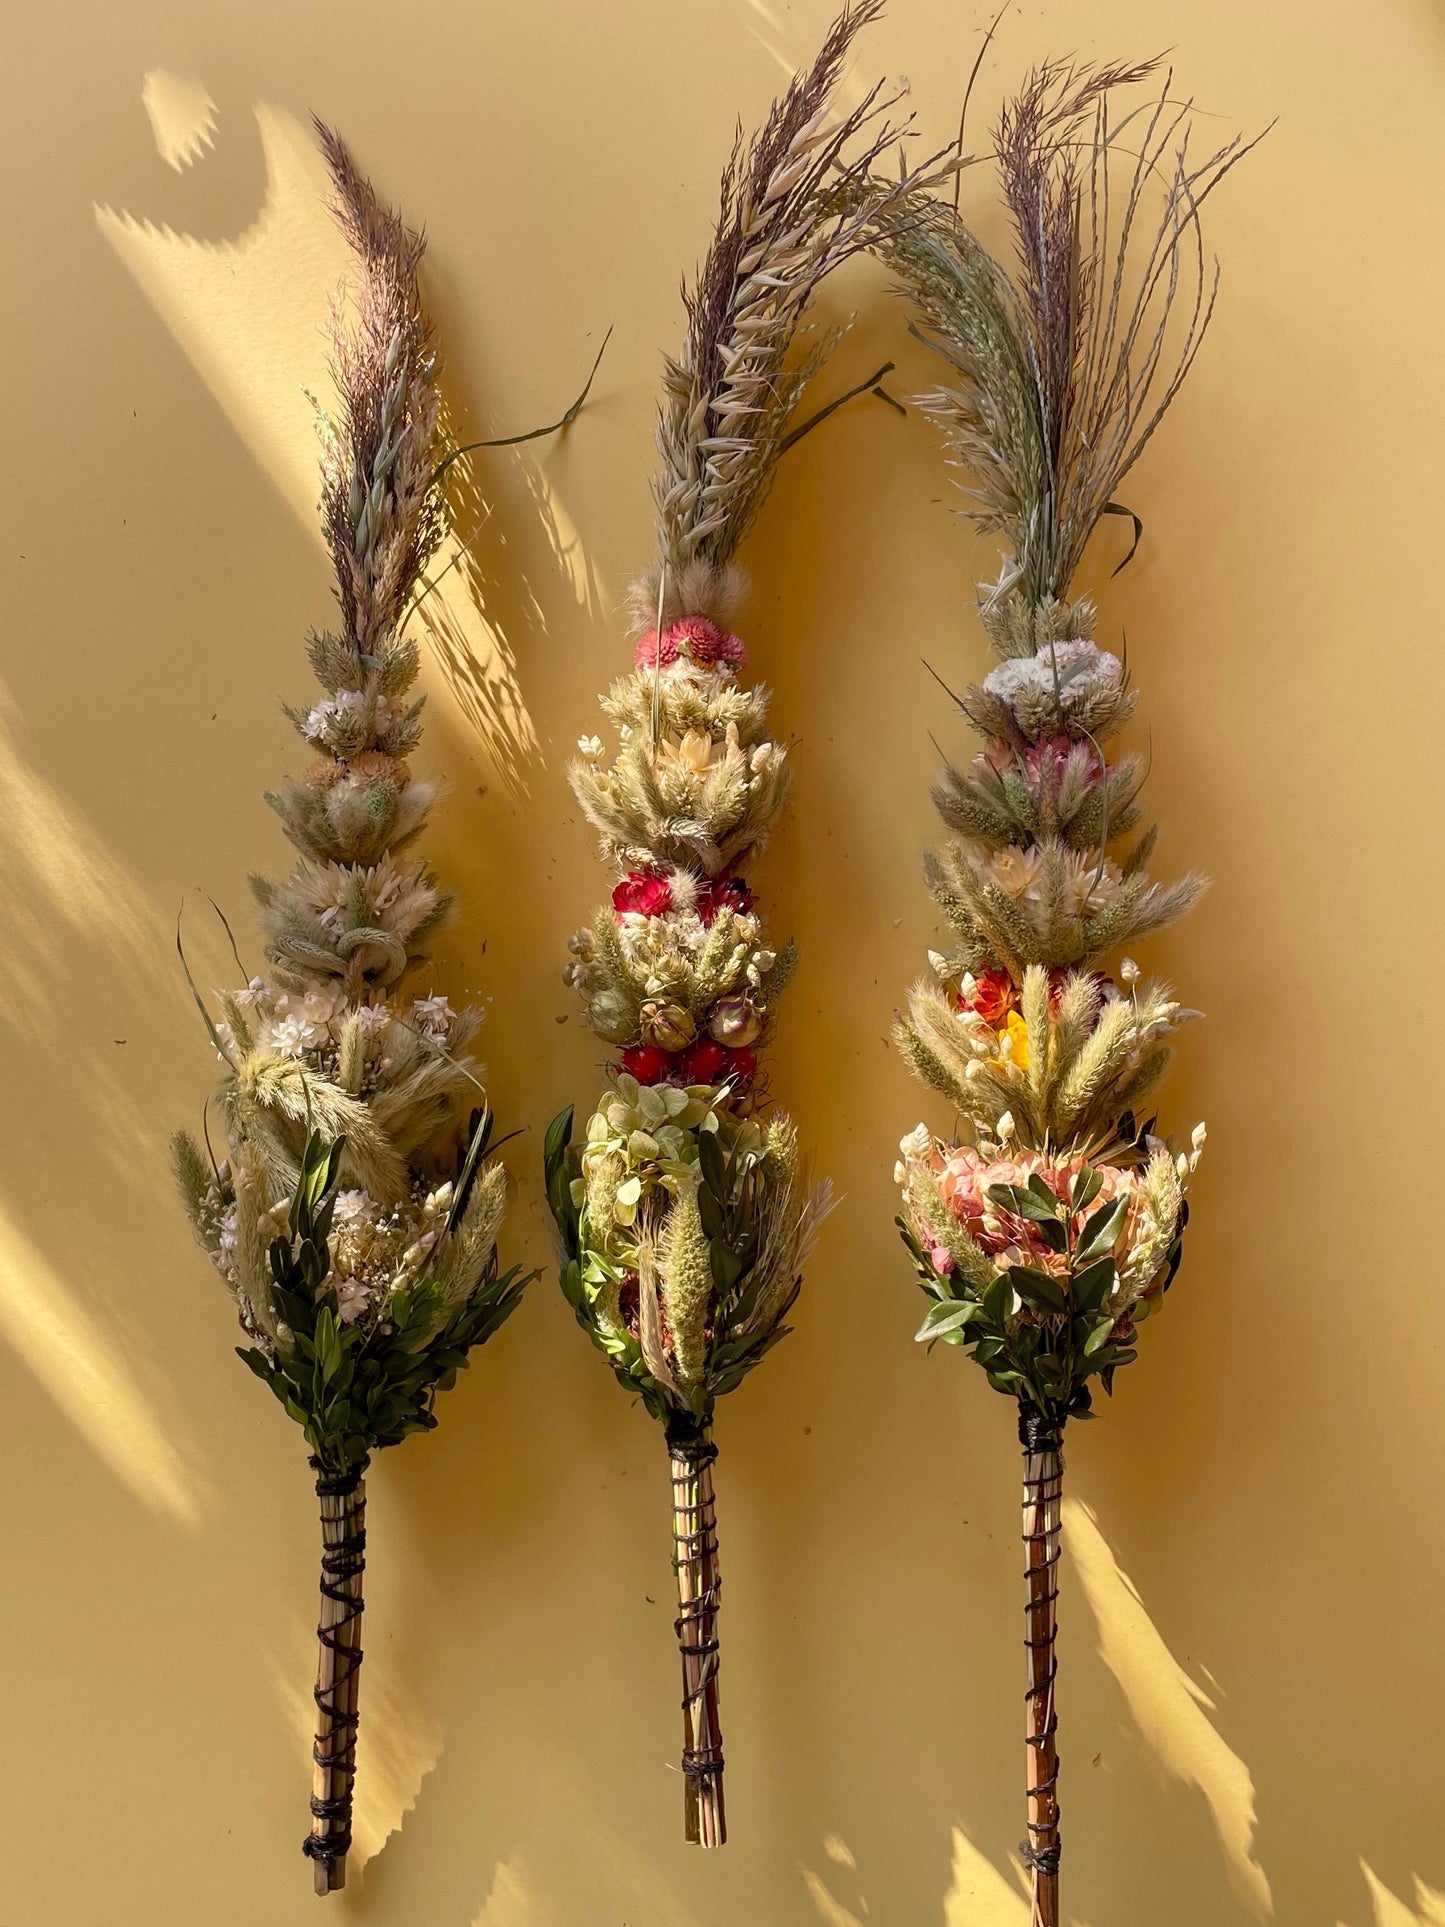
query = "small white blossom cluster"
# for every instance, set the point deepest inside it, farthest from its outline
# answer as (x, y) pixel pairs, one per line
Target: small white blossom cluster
(376, 1250)
(288, 1024)
(1065, 671)
(433, 1018)
(350, 719)
(309, 1027)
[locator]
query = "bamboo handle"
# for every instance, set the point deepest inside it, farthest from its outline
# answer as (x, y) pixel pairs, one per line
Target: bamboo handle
(699, 1585)
(342, 1498)
(1042, 1442)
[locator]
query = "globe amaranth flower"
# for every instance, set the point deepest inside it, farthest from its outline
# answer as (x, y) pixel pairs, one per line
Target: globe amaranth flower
(647, 1063)
(708, 1062)
(694, 638)
(703, 1062)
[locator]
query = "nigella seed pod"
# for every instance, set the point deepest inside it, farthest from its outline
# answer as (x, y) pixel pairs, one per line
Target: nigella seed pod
(735, 1022)
(667, 1025)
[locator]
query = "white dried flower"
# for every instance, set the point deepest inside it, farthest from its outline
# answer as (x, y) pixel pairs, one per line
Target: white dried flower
(1129, 971)
(1004, 1129)
(433, 1016)
(591, 747)
(353, 1301)
(1065, 669)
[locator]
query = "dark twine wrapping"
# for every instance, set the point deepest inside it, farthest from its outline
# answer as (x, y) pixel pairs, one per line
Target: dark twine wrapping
(1042, 1439)
(343, 1560)
(695, 1556)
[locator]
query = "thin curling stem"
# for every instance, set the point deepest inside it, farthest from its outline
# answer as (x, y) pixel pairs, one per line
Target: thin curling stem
(1042, 1440)
(699, 1587)
(342, 1498)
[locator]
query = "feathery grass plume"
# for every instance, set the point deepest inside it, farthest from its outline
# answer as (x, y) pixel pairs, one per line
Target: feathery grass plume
(1048, 1232)
(684, 1213)
(355, 1218)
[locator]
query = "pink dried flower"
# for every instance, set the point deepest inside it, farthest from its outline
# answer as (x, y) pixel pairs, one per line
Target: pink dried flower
(695, 637)
(1045, 762)
(649, 653)
(705, 642)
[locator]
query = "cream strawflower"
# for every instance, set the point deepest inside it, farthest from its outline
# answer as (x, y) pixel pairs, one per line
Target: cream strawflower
(695, 752)
(1014, 871)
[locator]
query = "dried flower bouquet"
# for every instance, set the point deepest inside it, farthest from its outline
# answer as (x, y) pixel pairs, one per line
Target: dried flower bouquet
(685, 1214)
(354, 1219)
(1050, 1230)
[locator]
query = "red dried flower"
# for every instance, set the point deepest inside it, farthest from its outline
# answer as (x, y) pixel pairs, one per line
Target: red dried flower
(647, 1063)
(643, 893)
(993, 996)
(722, 893)
(704, 1062)
(707, 1062)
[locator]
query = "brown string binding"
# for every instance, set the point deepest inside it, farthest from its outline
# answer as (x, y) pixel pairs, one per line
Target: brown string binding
(699, 1587)
(342, 1497)
(1042, 1439)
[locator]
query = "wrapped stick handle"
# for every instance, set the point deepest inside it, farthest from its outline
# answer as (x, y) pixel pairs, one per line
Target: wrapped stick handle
(699, 1587)
(342, 1498)
(1042, 1439)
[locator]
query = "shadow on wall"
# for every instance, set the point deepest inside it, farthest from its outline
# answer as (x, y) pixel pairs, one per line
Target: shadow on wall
(70, 909)
(247, 314)
(1169, 1711)
(472, 636)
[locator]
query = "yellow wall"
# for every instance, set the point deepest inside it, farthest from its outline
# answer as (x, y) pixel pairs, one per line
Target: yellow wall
(1257, 1530)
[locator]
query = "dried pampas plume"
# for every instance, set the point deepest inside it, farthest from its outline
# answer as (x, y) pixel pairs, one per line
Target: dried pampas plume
(730, 395)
